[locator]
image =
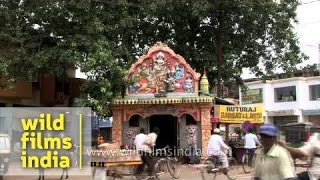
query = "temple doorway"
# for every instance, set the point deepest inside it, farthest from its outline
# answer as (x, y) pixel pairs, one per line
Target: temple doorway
(168, 126)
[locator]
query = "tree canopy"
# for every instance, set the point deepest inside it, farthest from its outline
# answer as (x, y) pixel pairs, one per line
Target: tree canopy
(104, 37)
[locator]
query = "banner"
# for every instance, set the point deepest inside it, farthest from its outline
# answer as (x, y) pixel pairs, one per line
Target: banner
(239, 114)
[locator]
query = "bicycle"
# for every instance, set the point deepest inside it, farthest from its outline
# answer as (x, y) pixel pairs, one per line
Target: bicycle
(163, 165)
(245, 162)
(212, 167)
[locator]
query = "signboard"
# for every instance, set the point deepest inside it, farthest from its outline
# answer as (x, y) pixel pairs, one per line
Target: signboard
(105, 122)
(239, 114)
(252, 96)
(94, 122)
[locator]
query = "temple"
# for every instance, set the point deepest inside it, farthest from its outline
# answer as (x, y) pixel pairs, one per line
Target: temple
(163, 91)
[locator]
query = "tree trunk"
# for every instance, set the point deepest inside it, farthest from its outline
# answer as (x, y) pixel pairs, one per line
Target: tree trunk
(219, 55)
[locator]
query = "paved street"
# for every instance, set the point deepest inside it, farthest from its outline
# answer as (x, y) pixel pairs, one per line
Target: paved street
(187, 173)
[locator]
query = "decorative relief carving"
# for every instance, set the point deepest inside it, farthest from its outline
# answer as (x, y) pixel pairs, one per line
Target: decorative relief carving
(161, 71)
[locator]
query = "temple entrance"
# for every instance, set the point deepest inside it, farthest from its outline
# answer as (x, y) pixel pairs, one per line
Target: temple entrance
(168, 126)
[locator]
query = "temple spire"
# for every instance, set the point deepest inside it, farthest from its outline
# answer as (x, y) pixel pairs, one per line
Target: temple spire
(204, 83)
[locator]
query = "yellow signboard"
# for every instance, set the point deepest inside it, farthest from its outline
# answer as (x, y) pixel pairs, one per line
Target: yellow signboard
(239, 114)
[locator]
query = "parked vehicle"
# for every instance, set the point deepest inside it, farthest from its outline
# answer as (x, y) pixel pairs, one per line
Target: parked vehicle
(5, 151)
(298, 133)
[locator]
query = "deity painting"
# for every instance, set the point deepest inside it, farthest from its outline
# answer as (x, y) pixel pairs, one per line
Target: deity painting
(160, 65)
(161, 72)
(188, 84)
(134, 83)
(160, 83)
(144, 78)
(171, 83)
(141, 81)
(178, 71)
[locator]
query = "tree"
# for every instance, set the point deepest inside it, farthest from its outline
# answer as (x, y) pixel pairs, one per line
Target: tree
(52, 36)
(104, 37)
(224, 36)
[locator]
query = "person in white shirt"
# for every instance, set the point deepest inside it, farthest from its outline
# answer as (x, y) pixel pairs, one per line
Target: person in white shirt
(139, 143)
(140, 139)
(146, 152)
(152, 138)
(250, 143)
(217, 147)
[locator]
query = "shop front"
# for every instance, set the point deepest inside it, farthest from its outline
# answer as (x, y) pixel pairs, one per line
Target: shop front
(163, 92)
(282, 117)
(239, 118)
(312, 116)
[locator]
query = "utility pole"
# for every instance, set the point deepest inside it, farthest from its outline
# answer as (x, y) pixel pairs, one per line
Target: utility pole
(219, 65)
(219, 49)
(219, 53)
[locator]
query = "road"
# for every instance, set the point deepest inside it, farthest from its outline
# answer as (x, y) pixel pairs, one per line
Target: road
(188, 172)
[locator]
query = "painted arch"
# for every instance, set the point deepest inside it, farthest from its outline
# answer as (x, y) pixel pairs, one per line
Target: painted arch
(161, 70)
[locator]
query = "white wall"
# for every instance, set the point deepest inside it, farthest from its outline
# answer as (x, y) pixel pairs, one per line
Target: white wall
(302, 94)
(312, 104)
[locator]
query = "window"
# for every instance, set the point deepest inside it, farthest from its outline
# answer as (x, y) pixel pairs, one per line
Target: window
(252, 96)
(314, 92)
(134, 121)
(285, 94)
(190, 120)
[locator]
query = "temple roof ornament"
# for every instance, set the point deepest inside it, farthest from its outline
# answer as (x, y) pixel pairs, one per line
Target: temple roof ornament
(201, 99)
(161, 73)
(204, 83)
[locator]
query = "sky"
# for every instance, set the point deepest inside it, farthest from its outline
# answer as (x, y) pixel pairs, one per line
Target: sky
(307, 29)
(308, 32)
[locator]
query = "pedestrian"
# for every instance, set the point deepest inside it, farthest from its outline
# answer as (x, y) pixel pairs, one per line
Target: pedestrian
(140, 139)
(250, 143)
(272, 161)
(140, 147)
(310, 150)
(146, 152)
(151, 143)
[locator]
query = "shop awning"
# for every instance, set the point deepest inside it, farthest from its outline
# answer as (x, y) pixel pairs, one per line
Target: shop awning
(281, 113)
(221, 101)
(312, 112)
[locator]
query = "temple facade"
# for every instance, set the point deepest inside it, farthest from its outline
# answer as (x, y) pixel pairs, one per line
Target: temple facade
(163, 92)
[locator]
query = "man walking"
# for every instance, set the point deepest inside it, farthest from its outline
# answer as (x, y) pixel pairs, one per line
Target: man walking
(250, 142)
(272, 161)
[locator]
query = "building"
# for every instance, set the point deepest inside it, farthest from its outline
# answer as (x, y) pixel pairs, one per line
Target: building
(43, 90)
(295, 99)
(164, 93)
